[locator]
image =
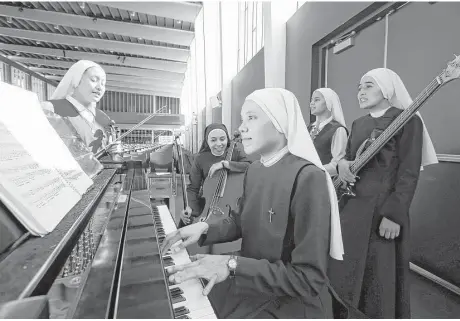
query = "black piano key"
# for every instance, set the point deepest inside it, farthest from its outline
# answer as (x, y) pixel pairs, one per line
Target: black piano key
(183, 317)
(167, 264)
(179, 311)
(176, 290)
(176, 299)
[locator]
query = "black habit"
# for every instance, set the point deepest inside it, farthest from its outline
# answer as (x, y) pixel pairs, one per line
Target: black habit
(374, 275)
(281, 272)
(200, 169)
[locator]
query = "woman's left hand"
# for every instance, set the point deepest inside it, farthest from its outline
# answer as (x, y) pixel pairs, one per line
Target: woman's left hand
(215, 167)
(211, 267)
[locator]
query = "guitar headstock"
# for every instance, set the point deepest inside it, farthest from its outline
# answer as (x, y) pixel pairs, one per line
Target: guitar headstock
(451, 72)
(236, 136)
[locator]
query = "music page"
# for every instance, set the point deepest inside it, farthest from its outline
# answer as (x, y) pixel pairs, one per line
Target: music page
(40, 181)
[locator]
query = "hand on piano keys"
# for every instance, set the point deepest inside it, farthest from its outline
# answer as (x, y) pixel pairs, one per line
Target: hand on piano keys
(188, 234)
(187, 298)
(205, 266)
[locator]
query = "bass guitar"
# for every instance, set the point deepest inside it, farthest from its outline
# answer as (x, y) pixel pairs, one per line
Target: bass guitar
(363, 157)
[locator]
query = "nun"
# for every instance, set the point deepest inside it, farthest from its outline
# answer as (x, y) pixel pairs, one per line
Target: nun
(210, 159)
(374, 275)
(288, 221)
(328, 132)
(75, 98)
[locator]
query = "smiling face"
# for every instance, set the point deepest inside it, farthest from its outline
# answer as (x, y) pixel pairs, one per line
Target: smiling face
(369, 93)
(91, 87)
(258, 134)
(317, 104)
(217, 141)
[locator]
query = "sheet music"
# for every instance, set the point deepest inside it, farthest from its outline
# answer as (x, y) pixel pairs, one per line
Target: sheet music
(40, 180)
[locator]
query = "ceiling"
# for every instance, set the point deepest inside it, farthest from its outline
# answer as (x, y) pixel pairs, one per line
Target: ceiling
(142, 46)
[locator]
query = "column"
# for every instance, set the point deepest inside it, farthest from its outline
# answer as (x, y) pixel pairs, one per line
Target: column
(276, 13)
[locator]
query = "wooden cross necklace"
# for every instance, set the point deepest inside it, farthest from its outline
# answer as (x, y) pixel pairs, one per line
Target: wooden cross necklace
(271, 213)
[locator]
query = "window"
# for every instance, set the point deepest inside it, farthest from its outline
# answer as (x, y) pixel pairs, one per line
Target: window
(38, 87)
(2, 71)
(18, 78)
(250, 31)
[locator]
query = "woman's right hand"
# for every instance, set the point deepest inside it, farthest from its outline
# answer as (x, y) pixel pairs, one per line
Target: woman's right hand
(345, 174)
(189, 234)
(185, 215)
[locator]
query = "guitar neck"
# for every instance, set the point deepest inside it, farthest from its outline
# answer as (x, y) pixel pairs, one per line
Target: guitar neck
(395, 126)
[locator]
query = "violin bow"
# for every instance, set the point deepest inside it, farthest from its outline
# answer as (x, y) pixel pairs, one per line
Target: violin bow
(104, 150)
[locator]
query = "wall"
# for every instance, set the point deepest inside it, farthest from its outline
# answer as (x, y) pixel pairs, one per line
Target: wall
(250, 78)
(428, 44)
(419, 45)
(312, 22)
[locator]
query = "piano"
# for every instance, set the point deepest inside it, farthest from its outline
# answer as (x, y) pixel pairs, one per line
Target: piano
(102, 260)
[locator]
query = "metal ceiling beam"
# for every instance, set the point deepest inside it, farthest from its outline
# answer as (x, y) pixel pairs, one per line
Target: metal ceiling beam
(175, 10)
(117, 78)
(145, 63)
(143, 73)
(155, 33)
(138, 85)
(141, 91)
(100, 44)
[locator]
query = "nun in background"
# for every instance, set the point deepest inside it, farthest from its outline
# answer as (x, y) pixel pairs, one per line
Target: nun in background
(75, 98)
(329, 132)
(288, 221)
(210, 158)
(374, 275)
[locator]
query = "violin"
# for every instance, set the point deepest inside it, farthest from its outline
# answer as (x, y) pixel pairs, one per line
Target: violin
(222, 192)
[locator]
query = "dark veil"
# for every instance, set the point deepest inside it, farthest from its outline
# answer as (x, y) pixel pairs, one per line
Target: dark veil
(204, 145)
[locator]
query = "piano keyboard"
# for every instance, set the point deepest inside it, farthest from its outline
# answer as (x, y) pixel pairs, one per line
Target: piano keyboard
(188, 301)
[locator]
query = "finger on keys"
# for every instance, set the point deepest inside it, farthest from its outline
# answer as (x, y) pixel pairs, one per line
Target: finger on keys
(184, 244)
(177, 268)
(197, 257)
(210, 285)
(188, 273)
(170, 240)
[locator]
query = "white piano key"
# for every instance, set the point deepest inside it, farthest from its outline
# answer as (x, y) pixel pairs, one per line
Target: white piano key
(198, 304)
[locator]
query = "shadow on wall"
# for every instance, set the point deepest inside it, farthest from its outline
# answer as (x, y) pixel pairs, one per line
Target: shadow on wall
(250, 78)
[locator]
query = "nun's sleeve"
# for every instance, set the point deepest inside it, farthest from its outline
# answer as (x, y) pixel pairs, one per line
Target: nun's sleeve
(396, 206)
(193, 189)
(338, 150)
(240, 161)
(305, 274)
